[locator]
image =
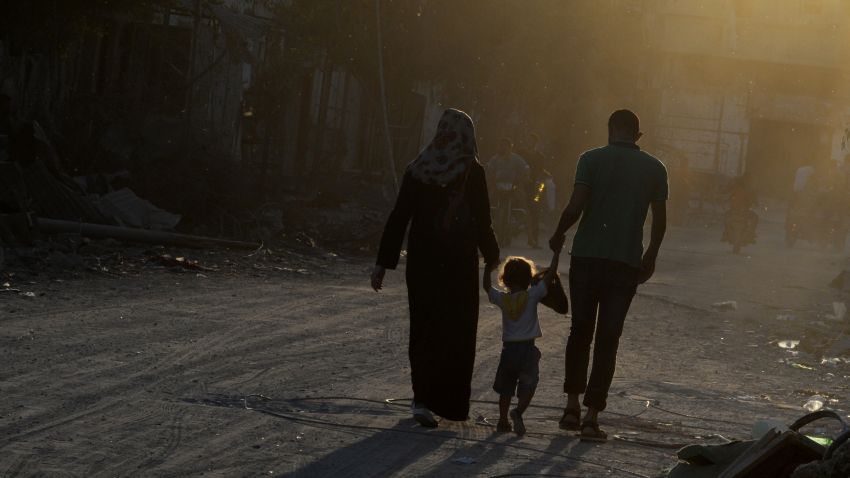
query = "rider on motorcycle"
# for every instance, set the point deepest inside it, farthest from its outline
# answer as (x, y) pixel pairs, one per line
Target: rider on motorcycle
(540, 186)
(510, 175)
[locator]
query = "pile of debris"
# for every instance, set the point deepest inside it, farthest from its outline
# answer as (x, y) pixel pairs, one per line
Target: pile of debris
(776, 450)
(37, 198)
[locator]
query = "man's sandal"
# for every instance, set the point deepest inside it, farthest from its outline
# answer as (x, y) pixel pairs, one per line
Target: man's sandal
(571, 420)
(590, 432)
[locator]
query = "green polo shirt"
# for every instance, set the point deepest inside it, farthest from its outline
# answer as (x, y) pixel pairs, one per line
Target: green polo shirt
(623, 181)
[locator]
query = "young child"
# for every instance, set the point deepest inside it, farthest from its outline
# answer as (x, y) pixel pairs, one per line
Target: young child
(518, 371)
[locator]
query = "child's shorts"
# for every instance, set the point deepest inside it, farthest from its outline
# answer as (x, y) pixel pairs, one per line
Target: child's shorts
(519, 370)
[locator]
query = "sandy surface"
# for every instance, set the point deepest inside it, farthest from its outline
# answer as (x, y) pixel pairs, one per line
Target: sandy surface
(286, 373)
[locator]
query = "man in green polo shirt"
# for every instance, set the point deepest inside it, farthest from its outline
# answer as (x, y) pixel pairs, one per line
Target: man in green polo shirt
(614, 189)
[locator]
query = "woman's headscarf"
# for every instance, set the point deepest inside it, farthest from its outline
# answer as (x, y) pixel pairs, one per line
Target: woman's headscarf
(450, 153)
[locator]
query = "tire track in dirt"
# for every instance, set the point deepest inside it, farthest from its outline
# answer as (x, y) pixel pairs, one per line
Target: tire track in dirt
(234, 342)
(18, 465)
(200, 348)
(273, 334)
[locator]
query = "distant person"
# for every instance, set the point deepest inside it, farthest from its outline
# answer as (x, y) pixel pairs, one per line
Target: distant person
(443, 197)
(801, 182)
(615, 186)
(508, 173)
(741, 221)
(534, 157)
(508, 168)
(518, 372)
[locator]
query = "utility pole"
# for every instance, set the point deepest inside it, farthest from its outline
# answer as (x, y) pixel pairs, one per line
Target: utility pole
(190, 74)
(387, 135)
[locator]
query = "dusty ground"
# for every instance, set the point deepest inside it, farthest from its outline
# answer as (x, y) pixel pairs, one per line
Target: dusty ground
(283, 368)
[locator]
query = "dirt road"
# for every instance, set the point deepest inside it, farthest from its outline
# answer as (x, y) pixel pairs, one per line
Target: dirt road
(287, 373)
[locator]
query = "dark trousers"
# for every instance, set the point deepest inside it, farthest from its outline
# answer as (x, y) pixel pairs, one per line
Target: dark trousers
(601, 292)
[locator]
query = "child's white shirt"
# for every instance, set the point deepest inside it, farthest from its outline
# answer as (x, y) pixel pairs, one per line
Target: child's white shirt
(519, 312)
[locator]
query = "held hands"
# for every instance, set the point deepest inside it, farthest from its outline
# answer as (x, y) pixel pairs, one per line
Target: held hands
(378, 277)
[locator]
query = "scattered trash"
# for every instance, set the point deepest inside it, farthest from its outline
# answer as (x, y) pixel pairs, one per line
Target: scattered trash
(786, 317)
(726, 305)
(130, 210)
(27, 294)
(830, 362)
(822, 441)
(53, 226)
(762, 427)
(788, 344)
(171, 261)
(464, 460)
(774, 451)
(839, 311)
(800, 366)
(814, 404)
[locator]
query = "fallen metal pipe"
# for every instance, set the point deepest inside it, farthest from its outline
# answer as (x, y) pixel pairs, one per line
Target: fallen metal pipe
(56, 226)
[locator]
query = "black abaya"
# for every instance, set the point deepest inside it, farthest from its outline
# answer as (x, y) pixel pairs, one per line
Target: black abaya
(442, 284)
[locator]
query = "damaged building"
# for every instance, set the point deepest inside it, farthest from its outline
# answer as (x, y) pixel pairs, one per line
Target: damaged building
(751, 85)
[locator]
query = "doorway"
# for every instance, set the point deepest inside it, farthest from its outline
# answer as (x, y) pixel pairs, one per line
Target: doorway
(776, 149)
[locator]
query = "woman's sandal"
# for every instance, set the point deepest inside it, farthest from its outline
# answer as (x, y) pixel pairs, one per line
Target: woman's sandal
(590, 432)
(571, 420)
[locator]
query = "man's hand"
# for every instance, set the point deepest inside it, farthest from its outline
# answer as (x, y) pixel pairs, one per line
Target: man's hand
(556, 243)
(647, 268)
(378, 277)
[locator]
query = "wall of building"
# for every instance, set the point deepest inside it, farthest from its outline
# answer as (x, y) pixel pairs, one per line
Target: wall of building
(722, 66)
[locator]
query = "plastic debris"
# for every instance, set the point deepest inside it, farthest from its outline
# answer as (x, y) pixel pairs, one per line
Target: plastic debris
(788, 344)
(832, 361)
(823, 441)
(800, 366)
(839, 311)
(786, 317)
(814, 404)
(464, 460)
(726, 305)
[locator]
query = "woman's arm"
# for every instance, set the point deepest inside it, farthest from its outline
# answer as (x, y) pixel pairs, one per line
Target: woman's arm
(487, 281)
(480, 204)
(396, 227)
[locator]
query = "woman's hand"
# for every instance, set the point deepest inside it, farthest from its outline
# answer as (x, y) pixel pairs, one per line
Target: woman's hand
(378, 277)
(486, 281)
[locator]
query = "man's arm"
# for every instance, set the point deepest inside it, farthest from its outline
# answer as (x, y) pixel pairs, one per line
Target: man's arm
(659, 228)
(550, 275)
(571, 215)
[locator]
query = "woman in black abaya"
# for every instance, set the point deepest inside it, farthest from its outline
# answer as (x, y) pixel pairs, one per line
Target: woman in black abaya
(444, 198)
